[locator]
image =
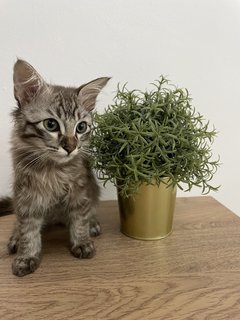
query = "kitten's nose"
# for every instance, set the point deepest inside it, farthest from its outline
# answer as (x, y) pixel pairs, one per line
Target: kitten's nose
(69, 143)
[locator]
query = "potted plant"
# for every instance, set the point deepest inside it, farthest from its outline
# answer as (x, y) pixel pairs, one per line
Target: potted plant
(148, 144)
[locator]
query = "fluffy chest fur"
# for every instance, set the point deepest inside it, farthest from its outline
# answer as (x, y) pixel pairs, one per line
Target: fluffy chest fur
(47, 187)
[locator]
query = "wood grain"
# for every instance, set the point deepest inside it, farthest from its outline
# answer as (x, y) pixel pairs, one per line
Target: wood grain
(192, 274)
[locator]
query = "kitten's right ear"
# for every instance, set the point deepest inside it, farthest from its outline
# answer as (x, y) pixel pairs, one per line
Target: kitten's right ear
(27, 82)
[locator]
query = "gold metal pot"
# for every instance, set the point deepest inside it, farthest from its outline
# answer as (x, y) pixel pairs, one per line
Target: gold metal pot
(149, 214)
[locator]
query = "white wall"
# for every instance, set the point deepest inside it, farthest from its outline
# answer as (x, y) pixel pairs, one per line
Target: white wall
(196, 43)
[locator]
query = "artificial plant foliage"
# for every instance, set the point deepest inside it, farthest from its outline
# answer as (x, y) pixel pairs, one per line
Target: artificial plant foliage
(146, 136)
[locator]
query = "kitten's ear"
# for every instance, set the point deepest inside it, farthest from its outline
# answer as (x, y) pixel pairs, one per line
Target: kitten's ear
(27, 82)
(88, 92)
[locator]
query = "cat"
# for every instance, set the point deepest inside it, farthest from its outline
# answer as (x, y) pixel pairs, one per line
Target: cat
(53, 181)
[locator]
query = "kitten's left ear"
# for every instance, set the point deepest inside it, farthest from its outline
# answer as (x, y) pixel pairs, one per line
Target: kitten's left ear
(88, 92)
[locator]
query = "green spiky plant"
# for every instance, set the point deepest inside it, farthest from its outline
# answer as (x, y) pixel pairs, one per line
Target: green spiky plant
(146, 136)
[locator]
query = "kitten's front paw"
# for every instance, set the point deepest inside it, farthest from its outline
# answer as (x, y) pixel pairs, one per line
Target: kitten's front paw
(24, 265)
(95, 228)
(84, 250)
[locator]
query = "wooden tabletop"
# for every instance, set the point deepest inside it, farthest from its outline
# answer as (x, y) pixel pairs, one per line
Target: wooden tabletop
(192, 274)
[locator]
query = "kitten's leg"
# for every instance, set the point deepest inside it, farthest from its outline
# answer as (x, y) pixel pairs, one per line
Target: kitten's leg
(29, 246)
(94, 225)
(82, 245)
(14, 240)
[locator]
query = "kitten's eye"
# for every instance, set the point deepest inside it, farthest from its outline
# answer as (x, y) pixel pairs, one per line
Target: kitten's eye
(81, 127)
(51, 125)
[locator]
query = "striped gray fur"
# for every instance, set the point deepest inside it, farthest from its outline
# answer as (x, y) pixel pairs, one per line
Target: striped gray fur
(53, 181)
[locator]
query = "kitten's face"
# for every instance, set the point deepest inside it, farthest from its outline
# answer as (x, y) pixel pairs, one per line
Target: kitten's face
(53, 121)
(57, 124)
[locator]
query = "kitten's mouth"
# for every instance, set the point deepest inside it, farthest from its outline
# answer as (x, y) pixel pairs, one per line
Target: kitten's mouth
(62, 155)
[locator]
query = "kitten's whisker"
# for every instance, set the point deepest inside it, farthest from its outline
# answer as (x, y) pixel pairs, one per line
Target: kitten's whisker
(84, 154)
(39, 163)
(28, 165)
(35, 160)
(51, 148)
(85, 149)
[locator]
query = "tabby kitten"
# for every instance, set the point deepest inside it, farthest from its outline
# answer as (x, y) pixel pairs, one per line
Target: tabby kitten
(53, 181)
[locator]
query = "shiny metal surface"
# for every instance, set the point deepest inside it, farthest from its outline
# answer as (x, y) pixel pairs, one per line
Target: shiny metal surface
(149, 215)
